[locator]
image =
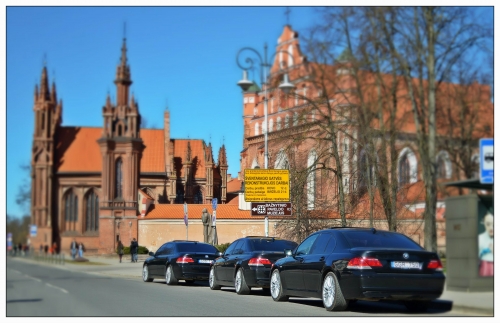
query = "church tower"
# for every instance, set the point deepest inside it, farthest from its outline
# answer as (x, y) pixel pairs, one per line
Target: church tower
(121, 149)
(47, 120)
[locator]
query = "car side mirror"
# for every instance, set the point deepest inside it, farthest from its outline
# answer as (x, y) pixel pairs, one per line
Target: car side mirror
(288, 252)
(151, 253)
(219, 254)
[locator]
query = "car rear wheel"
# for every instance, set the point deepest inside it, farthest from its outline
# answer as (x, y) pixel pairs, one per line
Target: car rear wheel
(277, 288)
(145, 274)
(417, 306)
(240, 284)
(331, 294)
(211, 280)
(169, 276)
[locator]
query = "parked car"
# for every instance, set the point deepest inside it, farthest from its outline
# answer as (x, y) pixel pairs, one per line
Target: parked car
(340, 265)
(246, 263)
(180, 260)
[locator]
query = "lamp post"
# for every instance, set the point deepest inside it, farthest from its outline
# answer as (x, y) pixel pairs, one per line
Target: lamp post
(245, 84)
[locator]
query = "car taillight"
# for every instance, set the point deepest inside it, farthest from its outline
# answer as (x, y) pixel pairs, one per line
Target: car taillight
(363, 263)
(184, 260)
(259, 262)
(435, 264)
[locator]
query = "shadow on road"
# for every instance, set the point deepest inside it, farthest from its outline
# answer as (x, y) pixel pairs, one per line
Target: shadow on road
(24, 300)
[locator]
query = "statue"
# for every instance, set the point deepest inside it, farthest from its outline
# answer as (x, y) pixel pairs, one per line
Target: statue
(207, 222)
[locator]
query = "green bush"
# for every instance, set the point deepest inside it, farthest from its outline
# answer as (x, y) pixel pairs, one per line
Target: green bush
(142, 250)
(222, 247)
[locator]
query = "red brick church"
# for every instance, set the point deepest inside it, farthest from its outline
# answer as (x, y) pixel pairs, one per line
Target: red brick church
(92, 183)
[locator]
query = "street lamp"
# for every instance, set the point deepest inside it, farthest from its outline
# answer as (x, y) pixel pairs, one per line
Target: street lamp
(245, 84)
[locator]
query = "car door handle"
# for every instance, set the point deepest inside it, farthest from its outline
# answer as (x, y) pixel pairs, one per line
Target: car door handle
(300, 259)
(322, 259)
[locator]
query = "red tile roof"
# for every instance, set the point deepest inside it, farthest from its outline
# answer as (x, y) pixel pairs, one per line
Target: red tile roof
(153, 156)
(77, 150)
(234, 185)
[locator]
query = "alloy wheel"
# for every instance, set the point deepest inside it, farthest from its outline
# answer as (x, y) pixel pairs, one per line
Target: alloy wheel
(328, 291)
(275, 284)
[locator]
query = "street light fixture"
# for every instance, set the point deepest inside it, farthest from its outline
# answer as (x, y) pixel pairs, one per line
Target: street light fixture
(245, 84)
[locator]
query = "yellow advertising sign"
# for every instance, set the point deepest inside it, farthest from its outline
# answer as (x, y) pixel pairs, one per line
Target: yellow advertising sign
(267, 185)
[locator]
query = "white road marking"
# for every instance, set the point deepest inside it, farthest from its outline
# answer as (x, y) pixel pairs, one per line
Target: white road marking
(61, 289)
(38, 280)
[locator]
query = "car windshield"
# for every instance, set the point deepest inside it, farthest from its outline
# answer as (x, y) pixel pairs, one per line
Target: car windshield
(196, 247)
(271, 245)
(379, 239)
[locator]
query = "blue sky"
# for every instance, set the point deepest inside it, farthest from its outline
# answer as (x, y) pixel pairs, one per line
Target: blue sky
(180, 57)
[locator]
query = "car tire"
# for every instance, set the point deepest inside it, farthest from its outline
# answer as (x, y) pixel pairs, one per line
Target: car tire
(170, 277)
(417, 306)
(276, 287)
(145, 274)
(211, 280)
(240, 284)
(331, 294)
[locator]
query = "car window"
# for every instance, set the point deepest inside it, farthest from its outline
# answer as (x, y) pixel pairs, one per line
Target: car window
(320, 243)
(330, 247)
(162, 250)
(195, 247)
(379, 239)
(238, 248)
(230, 249)
(170, 248)
(305, 247)
(271, 245)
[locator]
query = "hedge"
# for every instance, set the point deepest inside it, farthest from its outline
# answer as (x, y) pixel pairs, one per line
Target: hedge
(142, 250)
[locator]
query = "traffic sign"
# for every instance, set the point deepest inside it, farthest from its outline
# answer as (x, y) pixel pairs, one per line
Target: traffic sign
(267, 185)
(214, 204)
(33, 230)
(486, 154)
(270, 209)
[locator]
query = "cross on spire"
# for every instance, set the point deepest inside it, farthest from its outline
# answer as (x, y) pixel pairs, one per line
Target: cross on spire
(287, 14)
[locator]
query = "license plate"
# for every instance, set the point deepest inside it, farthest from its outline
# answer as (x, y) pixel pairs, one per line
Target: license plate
(204, 261)
(406, 265)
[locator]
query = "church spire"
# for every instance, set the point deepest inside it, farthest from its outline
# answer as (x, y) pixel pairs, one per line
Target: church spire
(123, 79)
(44, 85)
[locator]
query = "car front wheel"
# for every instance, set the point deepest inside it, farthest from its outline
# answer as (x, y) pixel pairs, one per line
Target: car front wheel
(331, 294)
(277, 288)
(211, 280)
(145, 274)
(169, 276)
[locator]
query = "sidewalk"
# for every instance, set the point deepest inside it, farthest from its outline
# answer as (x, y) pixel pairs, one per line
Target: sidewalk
(471, 303)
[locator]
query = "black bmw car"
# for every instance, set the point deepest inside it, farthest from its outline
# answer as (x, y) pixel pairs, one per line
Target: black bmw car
(180, 260)
(247, 263)
(343, 264)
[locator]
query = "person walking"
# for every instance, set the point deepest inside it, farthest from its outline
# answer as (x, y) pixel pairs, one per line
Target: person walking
(119, 250)
(134, 246)
(73, 247)
(81, 249)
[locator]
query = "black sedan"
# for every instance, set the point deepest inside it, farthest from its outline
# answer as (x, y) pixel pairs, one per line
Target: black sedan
(340, 265)
(247, 263)
(180, 260)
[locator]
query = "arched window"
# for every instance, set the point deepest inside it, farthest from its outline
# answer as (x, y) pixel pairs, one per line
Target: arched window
(256, 129)
(281, 160)
(198, 196)
(407, 167)
(255, 163)
(287, 121)
(290, 57)
(278, 124)
(295, 118)
(71, 210)
(443, 165)
(271, 124)
(365, 171)
(92, 212)
(118, 178)
(264, 127)
(311, 179)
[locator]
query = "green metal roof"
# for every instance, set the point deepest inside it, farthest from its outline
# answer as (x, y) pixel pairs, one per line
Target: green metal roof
(253, 88)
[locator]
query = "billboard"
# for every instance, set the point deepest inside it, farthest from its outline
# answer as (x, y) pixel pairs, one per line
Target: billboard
(485, 240)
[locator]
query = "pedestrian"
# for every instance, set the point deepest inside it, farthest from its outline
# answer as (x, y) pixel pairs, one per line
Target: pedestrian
(41, 249)
(119, 250)
(81, 249)
(54, 248)
(46, 249)
(134, 246)
(73, 247)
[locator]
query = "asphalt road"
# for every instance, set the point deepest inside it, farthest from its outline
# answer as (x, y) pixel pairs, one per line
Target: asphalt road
(37, 290)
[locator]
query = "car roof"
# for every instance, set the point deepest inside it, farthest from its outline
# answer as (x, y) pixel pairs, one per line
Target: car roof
(374, 230)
